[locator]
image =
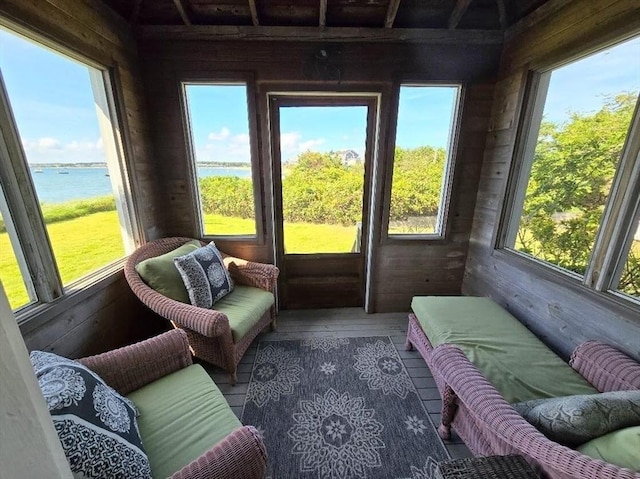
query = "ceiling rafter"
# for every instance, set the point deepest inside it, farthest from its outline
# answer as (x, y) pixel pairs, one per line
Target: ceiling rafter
(254, 13)
(458, 11)
(392, 11)
(323, 13)
(182, 11)
(502, 14)
(135, 13)
(327, 34)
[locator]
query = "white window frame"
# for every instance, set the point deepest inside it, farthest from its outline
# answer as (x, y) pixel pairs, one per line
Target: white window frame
(193, 167)
(20, 205)
(444, 204)
(622, 210)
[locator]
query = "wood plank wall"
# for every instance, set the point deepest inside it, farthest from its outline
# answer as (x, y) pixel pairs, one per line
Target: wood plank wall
(559, 310)
(400, 269)
(109, 316)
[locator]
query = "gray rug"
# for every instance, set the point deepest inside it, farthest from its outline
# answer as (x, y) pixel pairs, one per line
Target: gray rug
(339, 408)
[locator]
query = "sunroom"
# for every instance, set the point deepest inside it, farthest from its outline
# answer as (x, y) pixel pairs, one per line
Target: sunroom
(401, 185)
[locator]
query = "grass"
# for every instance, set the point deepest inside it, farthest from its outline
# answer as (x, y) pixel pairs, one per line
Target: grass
(81, 246)
(85, 244)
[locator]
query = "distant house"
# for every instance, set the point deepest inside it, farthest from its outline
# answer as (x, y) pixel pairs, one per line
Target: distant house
(349, 157)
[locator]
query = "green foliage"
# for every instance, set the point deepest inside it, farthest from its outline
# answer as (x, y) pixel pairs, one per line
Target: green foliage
(571, 176)
(68, 210)
(227, 196)
(319, 188)
(417, 180)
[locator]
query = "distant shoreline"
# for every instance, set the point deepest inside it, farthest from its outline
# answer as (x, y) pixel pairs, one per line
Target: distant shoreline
(104, 165)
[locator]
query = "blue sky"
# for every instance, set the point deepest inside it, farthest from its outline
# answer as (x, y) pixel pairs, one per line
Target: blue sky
(53, 105)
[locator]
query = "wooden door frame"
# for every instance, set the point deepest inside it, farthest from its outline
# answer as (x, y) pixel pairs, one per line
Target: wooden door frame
(296, 98)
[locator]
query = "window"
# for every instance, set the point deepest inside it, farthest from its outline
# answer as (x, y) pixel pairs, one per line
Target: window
(63, 178)
(422, 160)
(578, 154)
(218, 120)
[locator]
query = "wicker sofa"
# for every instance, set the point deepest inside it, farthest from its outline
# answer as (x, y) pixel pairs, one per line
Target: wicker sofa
(187, 428)
(487, 422)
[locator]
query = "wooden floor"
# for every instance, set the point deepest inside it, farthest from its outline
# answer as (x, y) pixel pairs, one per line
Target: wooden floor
(343, 322)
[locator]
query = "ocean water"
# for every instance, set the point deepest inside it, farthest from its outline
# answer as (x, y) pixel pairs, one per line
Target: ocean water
(56, 185)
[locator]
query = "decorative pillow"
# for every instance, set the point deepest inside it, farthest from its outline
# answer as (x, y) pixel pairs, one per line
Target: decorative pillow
(573, 420)
(204, 275)
(621, 448)
(161, 274)
(96, 426)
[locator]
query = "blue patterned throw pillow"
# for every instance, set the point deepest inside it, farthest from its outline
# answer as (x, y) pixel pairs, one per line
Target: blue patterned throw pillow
(96, 426)
(204, 275)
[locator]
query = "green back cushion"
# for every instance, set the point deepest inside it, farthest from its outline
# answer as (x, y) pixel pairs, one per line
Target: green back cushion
(244, 307)
(510, 356)
(621, 448)
(182, 415)
(162, 275)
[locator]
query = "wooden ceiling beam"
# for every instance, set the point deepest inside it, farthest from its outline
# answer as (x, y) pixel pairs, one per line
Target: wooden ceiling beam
(183, 12)
(502, 14)
(254, 13)
(135, 13)
(457, 13)
(327, 34)
(323, 14)
(392, 11)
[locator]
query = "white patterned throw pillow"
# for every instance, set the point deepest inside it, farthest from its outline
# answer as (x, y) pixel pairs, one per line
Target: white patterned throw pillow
(96, 426)
(204, 275)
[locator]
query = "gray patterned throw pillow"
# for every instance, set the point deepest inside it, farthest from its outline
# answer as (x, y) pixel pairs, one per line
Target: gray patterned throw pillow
(96, 426)
(574, 420)
(204, 275)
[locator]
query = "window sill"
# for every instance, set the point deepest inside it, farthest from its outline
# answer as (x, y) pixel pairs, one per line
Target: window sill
(35, 315)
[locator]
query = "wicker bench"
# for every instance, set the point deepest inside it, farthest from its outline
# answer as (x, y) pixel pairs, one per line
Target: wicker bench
(486, 421)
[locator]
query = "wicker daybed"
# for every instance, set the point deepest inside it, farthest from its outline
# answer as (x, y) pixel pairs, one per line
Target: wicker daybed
(486, 421)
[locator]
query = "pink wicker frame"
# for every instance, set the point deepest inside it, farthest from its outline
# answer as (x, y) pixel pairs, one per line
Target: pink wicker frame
(490, 426)
(207, 330)
(241, 454)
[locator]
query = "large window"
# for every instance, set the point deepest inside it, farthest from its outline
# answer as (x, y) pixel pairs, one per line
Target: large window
(218, 120)
(64, 185)
(571, 204)
(422, 160)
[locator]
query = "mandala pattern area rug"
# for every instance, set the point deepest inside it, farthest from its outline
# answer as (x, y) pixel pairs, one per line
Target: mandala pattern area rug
(340, 408)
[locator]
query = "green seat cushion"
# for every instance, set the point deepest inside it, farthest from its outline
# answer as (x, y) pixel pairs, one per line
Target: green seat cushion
(510, 356)
(244, 307)
(621, 448)
(182, 415)
(162, 275)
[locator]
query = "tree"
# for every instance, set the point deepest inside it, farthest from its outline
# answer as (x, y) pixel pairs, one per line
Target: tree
(571, 176)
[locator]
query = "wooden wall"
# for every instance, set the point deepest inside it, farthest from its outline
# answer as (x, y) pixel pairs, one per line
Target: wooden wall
(101, 317)
(399, 269)
(559, 310)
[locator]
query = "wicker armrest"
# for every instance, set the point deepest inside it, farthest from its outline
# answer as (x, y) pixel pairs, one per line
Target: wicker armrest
(465, 384)
(240, 455)
(605, 367)
(250, 273)
(129, 368)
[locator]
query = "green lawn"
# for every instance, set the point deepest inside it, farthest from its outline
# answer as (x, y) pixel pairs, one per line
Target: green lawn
(82, 245)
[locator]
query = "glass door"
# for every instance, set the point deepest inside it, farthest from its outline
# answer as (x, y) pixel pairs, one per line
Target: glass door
(321, 167)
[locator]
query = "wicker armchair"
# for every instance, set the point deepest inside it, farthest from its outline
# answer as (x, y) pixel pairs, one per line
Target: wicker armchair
(208, 330)
(240, 454)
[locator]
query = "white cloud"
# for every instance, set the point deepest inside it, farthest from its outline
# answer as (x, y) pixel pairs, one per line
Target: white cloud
(52, 150)
(225, 146)
(291, 145)
(310, 144)
(223, 134)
